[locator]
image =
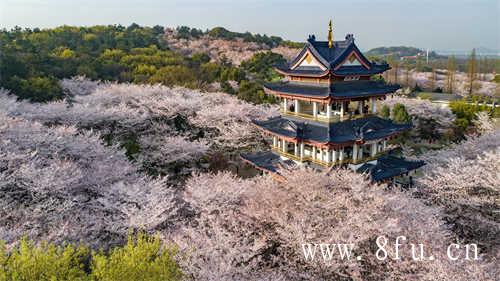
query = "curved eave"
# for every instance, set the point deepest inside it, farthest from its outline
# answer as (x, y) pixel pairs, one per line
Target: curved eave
(305, 74)
(358, 97)
(294, 95)
(331, 97)
(328, 143)
(326, 72)
(374, 71)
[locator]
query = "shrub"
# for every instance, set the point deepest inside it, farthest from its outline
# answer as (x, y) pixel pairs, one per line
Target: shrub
(37, 89)
(44, 262)
(385, 112)
(142, 258)
(399, 114)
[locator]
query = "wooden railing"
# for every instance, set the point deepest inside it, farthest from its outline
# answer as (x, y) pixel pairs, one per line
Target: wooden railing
(286, 154)
(326, 164)
(310, 159)
(323, 118)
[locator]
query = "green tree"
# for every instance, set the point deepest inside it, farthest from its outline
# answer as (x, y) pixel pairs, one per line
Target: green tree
(399, 114)
(432, 80)
(142, 258)
(471, 71)
(3, 262)
(261, 65)
(175, 75)
(450, 74)
(407, 67)
(253, 92)
(419, 64)
(385, 112)
(44, 262)
(37, 89)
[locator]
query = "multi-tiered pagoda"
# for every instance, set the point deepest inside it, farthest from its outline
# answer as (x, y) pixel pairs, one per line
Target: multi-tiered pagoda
(329, 105)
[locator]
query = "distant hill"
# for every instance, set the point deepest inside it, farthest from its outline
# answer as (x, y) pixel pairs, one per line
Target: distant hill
(480, 51)
(222, 33)
(401, 51)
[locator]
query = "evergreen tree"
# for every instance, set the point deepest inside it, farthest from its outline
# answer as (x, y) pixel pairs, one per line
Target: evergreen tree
(419, 65)
(432, 79)
(472, 70)
(385, 112)
(450, 74)
(407, 67)
(399, 114)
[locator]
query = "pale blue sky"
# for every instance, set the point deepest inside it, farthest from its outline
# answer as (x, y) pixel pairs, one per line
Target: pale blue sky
(434, 24)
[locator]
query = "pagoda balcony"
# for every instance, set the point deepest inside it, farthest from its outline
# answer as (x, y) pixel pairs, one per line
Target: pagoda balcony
(302, 152)
(328, 112)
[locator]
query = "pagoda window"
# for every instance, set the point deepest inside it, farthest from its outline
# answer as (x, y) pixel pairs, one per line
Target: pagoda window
(334, 155)
(341, 154)
(297, 107)
(315, 109)
(365, 151)
(374, 105)
(374, 149)
(351, 78)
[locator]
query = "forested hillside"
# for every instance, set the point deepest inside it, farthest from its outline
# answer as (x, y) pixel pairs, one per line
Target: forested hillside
(401, 51)
(33, 61)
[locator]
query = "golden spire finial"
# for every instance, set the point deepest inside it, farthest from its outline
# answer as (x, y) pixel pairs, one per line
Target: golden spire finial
(330, 35)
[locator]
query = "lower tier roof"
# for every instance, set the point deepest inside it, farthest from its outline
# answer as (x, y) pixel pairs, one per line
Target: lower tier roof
(336, 90)
(389, 166)
(349, 131)
(308, 71)
(267, 161)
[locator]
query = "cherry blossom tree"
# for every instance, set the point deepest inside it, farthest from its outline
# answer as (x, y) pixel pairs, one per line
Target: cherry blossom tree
(158, 125)
(79, 85)
(423, 109)
(465, 179)
(253, 229)
(234, 51)
(59, 184)
(144, 108)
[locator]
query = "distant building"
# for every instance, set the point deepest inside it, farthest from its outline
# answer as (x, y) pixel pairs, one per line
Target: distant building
(328, 105)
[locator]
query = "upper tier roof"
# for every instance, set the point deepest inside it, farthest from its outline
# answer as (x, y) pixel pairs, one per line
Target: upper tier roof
(332, 60)
(350, 131)
(338, 90)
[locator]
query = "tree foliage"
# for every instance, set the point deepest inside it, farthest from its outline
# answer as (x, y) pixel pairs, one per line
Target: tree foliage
(261, 65)
(141, 258)
(399, 114)
(385, 112)
(465, 179)
(33, 60)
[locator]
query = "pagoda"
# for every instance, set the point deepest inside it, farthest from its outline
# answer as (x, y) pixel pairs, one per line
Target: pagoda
(328, 102)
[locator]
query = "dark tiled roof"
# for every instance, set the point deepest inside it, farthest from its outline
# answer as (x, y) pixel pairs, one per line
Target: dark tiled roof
(266, 160)
(306, 71)
(368, 128)
(341, 89)
(389, 166)
(332, 57)
(360, 70)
